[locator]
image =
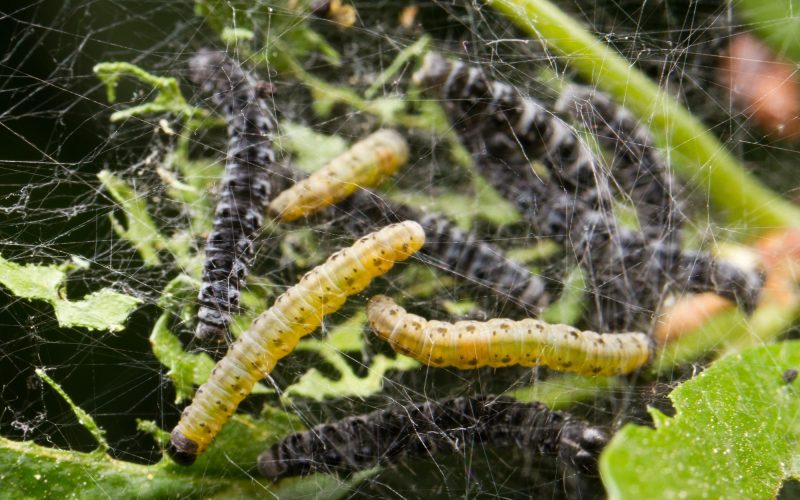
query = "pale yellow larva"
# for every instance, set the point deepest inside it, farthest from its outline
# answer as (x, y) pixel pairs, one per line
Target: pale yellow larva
(366, 164)
(503, 342)
(275, 333)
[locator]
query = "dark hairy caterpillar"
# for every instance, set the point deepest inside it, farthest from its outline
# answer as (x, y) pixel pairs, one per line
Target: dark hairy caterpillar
(481, 103)
(455, 251)
(638, 166)
(244, 191)
(628, 271)
(366, 164)
(275, 333)
(503, 342)
(390, 435)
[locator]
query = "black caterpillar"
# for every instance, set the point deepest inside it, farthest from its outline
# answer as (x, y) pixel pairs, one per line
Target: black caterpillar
(455, 251)
(390, 435)
(245, 189)
(638, 166)
(628, 271)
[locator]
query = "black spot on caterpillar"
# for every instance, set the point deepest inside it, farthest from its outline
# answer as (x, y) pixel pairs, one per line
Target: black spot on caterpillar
(275, 333)
(459, 252)
(789, 375)
(637, 164)
(503, 342)
(367, 163)
(244, 191)
(391, 435)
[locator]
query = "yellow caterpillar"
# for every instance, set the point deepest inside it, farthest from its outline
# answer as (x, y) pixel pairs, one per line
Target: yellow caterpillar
(365, 164)
(275, 333)
(503, 342)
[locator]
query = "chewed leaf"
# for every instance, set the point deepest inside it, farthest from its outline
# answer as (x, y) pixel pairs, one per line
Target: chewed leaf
(735, 434)
(316, 386)
(104, 310)
(187, 370)
(347, 337)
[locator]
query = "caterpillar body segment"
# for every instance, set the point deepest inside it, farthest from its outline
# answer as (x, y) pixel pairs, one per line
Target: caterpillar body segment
(702, 273)
(366, 164)
(244, 192)
(455, 251)
(486, 106)
(275, 333)
(637, 164)
(464, 255)
(390, 435)
(503, 342)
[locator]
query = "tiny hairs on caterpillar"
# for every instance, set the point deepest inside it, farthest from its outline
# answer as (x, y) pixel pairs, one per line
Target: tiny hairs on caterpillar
(390, 435)
(503, 342)
(367, 163)
(244, 191)
(275, 333)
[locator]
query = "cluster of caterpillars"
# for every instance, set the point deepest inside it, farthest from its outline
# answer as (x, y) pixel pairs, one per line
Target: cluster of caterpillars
(628, 269)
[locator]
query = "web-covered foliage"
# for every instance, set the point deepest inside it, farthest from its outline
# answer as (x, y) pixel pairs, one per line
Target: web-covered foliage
(135, 228)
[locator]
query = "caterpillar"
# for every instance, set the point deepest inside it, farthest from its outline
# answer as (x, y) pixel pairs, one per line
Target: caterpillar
(627, 271)
(486, 105)
(453, 250)
(274, 333)
(366, 164)
(637, 164)
(390, 435)
(503, 342)
(484, 264)
(702, 273)
(245, 189)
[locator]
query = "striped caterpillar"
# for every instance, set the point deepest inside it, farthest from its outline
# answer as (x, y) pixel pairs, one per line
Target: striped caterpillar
(244, 192)
(503, 342)
(388, 436)
(638, 166)
(491, 105)
(454, 250)
(628, 271)
(366, 164)
(274, 334)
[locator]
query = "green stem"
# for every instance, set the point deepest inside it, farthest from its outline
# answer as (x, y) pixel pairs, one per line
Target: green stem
(709, 165)
(84, 418)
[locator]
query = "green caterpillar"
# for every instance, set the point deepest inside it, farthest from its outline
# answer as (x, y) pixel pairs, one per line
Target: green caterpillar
(275, 333)
(503, 342)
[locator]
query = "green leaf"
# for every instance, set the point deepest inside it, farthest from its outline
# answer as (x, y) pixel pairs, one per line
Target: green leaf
(104, 310)
(735, 434)
(168, 98)
(564, 390)
(311, 149)
(28, 470)
(186, 370)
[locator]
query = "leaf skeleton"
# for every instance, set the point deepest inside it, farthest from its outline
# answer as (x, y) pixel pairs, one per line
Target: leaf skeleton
(390, 435)
(275, 333)
(245, 190)
(503, 342)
